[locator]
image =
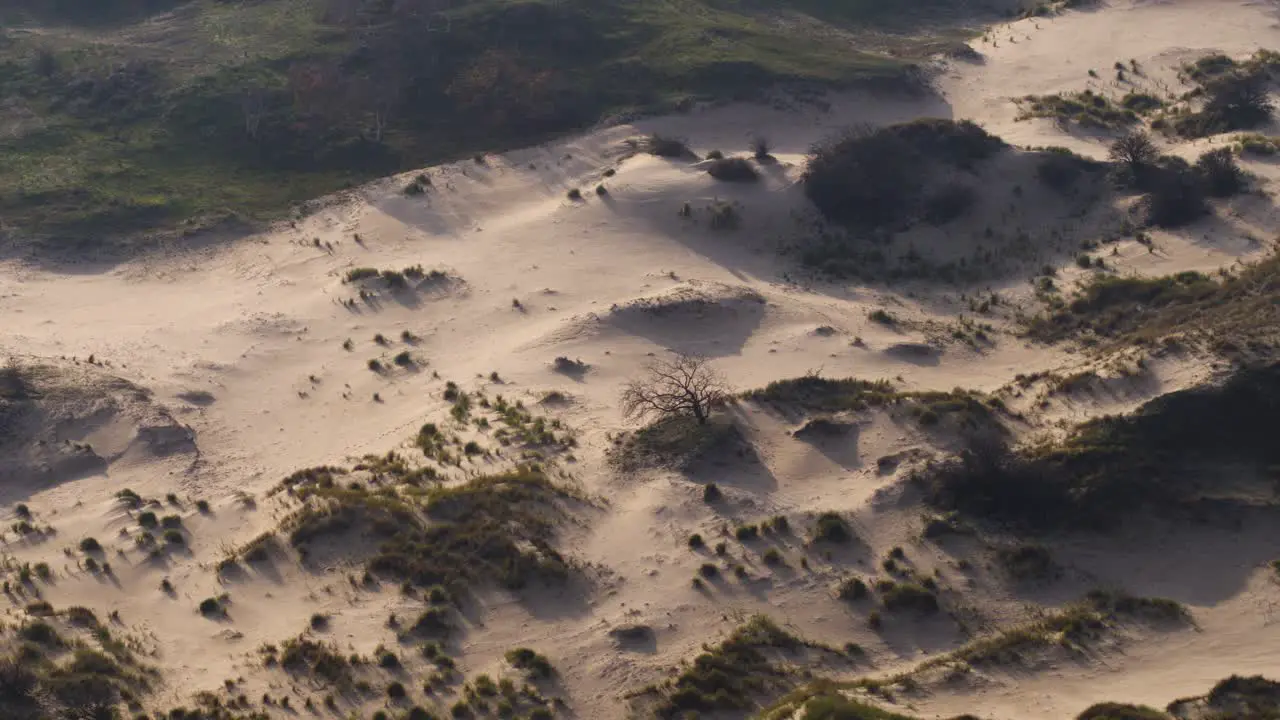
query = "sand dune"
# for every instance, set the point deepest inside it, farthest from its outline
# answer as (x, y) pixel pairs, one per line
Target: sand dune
(219, 370)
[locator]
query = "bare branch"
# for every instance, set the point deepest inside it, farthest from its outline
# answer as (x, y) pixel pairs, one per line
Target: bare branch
(685, 385)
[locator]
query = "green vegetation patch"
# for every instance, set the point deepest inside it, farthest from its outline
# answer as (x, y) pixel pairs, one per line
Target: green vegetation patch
(734, 676)
(235, 111)
(815, 394)
(1257, 145)
(1085, 108)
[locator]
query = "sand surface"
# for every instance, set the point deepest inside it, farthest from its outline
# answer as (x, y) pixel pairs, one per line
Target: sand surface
(236, 351)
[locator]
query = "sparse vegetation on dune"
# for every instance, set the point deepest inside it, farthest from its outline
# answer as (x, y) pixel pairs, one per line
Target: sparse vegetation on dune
(1157, 458)
(79, 668)
(749, 667)
(492, 529)
(1230, 315)
(1231, 95)
(1087, 108)
(1072, 630)
(675, 441)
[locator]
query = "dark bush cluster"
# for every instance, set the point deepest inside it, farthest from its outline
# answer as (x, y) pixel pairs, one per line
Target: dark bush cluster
(733, 169)
(1233, 101)
(1175, 190)
(871, 178)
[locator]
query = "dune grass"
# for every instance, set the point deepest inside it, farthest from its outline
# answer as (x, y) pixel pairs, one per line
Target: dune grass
(495, 529)
(1232, 315)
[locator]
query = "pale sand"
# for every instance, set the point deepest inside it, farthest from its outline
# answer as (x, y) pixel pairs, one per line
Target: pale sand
(248, 322)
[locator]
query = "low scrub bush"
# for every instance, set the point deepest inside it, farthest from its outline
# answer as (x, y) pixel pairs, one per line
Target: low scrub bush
(1027, 562)
(733, 169)
(907, 597)
(831, 528)
(1219, 174)
(667, 147)
(535, 664)
(852, 589)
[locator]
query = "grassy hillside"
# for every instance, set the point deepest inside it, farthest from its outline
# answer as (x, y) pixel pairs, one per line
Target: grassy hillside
(127, 115)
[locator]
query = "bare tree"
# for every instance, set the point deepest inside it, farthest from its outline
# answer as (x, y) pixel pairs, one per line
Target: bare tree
(1134, 150)
(684, 385)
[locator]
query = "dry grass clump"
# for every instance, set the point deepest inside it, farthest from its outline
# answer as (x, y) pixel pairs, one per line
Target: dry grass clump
(1027, 562)
(1233, 311)
(1085, 108)
(496, 528)
(667, 147)
(1257, 144)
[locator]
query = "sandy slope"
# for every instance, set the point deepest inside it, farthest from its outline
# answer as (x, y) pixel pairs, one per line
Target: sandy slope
(255, 329)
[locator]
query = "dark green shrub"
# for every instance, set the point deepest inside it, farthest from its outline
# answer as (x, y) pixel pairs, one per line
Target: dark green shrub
(523, 658)
(908, 596)
(875, 177)
(1219, 173)
(831, 528)
(852, 589)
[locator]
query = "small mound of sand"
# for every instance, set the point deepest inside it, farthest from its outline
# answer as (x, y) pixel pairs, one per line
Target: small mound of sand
(693, 300)
(62, 422)
(685, 316)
